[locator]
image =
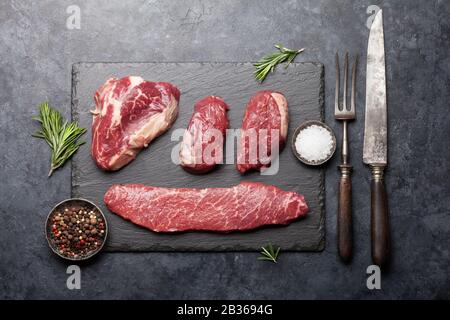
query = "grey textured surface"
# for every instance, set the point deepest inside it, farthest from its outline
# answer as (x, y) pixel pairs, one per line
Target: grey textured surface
(302, 84)
(37, 52)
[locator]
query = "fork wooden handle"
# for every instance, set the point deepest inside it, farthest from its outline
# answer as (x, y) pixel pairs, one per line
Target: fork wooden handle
(344, 219)
(379, 218)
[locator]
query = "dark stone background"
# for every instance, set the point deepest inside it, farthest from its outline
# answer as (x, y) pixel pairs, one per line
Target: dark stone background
(36, 55)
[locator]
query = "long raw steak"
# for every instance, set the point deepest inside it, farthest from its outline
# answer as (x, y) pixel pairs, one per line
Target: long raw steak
(202, 145)
(266, 113)
(246, 206)
(130, 112)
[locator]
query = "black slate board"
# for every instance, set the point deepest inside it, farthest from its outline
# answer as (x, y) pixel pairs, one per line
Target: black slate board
(302, 84)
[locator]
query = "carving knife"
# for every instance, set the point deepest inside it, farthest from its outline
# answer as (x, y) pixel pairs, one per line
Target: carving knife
(375, 140)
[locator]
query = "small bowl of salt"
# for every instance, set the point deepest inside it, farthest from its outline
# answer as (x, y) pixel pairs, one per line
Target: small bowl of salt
(313, 143)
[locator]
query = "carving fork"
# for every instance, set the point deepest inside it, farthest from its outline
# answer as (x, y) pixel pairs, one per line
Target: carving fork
(345, 113)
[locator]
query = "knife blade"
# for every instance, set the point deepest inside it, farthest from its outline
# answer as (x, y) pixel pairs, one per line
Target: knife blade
(375, 133)
(375, 140)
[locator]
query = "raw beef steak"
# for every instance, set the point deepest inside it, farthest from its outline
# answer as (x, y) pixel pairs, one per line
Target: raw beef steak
(130, 113)
(202, 145)
(246, 206)
(266, 114)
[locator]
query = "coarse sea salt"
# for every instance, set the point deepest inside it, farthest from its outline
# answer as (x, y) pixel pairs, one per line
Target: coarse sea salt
(314, 143)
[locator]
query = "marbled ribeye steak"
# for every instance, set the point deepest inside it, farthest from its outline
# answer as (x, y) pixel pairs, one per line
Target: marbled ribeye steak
(130, 112)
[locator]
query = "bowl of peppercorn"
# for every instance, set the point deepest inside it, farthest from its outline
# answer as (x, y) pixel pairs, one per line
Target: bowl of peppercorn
(76, 229)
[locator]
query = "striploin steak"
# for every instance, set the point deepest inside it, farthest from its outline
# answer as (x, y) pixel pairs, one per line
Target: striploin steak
(130, 112)
(246, 206)
(202, 145)
(265, 123)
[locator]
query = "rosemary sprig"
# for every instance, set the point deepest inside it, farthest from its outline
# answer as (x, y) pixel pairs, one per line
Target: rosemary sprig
(268, 63)
(269, 253)
(61, 136)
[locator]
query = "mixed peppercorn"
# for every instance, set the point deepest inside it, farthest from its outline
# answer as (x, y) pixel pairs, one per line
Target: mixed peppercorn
(76, 231)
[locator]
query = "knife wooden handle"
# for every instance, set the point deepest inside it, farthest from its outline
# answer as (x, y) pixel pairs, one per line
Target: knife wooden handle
(344, 218)
(379, 218)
